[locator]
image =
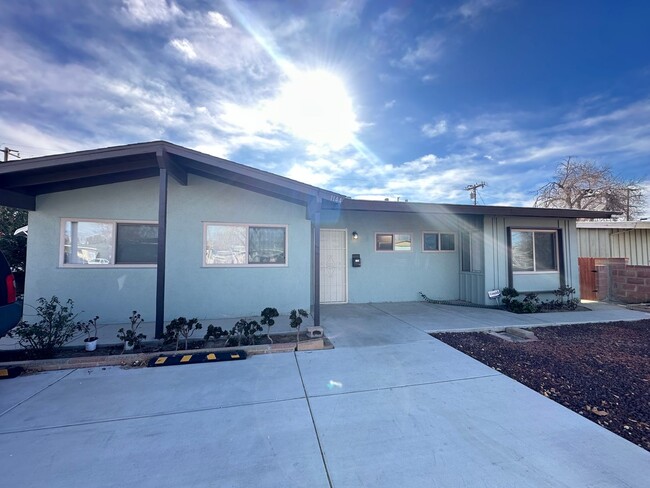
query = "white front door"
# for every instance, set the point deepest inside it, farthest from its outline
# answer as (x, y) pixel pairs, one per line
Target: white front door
(333, 266)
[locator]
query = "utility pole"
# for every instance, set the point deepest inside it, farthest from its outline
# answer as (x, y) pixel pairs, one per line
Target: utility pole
(10, 152)
(473, 190)
(627, 202)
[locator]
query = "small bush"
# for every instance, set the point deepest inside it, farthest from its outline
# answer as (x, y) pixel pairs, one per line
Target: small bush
(55, 328)
(214, 333)
(268, 314)
(243, 333)
(131, 336)
(181, 327)
(295, 321)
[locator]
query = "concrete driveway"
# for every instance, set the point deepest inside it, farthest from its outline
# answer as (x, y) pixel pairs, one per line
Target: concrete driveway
(402, 410)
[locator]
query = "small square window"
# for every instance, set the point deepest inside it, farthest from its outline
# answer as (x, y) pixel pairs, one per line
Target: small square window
(384, 242)
(393, 242)
(438, 241)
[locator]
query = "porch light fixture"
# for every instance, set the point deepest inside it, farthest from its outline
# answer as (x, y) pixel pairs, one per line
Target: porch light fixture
(355, 236)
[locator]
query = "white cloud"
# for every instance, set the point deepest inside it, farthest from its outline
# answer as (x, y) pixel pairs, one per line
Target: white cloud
(426, 51)
(472, 9)
(151, 11)
(185, 47)
(436, 130)
(389, 104)
(388, 19)
(218, 19)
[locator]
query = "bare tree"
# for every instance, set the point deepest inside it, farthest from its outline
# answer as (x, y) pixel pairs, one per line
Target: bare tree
(586, 185)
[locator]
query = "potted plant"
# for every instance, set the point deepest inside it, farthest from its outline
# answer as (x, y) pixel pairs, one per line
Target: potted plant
(90, 342)
(131, 337)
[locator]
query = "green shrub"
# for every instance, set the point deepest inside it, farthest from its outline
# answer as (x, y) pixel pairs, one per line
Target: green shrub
(214, 333)
(181, 327)
(295, 321)
(243, 333)
(268, 314)
(131, 336)
(56, 327)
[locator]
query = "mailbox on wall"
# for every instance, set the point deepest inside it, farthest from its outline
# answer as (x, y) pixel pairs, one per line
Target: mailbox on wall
(356, 260)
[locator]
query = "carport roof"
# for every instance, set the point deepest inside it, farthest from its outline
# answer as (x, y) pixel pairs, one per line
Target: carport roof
(21, 181)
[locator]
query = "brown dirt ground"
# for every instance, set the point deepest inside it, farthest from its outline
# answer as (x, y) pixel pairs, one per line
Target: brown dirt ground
(601, 371)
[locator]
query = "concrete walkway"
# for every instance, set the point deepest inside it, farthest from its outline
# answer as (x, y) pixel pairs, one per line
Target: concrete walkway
(396, 323)
(387, 408)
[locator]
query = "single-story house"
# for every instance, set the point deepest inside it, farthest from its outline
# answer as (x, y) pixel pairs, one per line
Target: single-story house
(612, 239)
(169, 231)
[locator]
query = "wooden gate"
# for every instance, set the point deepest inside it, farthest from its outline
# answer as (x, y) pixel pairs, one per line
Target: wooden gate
(588, 278)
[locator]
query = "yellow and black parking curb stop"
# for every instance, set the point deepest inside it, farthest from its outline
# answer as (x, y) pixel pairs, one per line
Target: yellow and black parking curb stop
(7, 372)
(199, 357)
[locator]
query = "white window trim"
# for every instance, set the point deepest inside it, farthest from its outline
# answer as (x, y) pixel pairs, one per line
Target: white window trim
(557, 252)
(439, 232)
(114, 223)
(245, 265)
(394, 234)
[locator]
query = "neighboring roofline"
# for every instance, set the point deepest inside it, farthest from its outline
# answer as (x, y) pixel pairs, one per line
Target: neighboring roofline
(625, 224)
(457, 209)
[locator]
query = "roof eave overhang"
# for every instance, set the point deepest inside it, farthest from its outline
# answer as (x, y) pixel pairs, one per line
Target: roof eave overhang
(433, 208)
(21, 181)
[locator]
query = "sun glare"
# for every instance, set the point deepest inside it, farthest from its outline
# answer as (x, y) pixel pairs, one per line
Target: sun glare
(315, 106)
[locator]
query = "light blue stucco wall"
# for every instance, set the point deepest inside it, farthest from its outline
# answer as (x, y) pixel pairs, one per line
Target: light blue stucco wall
(398, 276)
(496, 255)
(191, 289)
(111, 293)
(215, 292)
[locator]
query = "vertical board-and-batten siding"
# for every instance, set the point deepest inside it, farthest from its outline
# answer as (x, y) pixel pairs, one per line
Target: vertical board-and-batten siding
(633, 244)
(496, 254)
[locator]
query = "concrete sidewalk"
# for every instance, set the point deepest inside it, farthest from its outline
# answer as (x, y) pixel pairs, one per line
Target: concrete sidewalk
(414, 413)
(402, 322)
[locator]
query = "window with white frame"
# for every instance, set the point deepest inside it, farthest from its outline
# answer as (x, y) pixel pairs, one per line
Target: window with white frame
(393, 242)
(471, 257)
(534, 251)
(438, 241)
(108, 243)
(244, 245)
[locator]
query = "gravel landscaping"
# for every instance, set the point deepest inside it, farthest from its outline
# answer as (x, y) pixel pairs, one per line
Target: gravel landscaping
(601, 371)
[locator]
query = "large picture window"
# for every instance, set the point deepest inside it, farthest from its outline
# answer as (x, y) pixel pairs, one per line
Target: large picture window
(244, 244)
(393, 242)
(534, 251)
(438, 241)
(108, 243)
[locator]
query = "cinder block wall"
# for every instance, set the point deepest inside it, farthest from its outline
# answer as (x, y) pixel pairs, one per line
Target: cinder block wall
(630, 284)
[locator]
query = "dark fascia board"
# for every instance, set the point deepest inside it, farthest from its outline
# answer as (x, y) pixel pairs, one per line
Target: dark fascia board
(178, 154)
(14, 199)
(441, 208)
(253, 173)
(57, 160)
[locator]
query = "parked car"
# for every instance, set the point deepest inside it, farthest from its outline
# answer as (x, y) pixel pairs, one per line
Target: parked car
(11, 309)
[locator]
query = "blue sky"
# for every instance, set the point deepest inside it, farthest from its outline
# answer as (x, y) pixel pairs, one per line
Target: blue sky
(409, 99)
